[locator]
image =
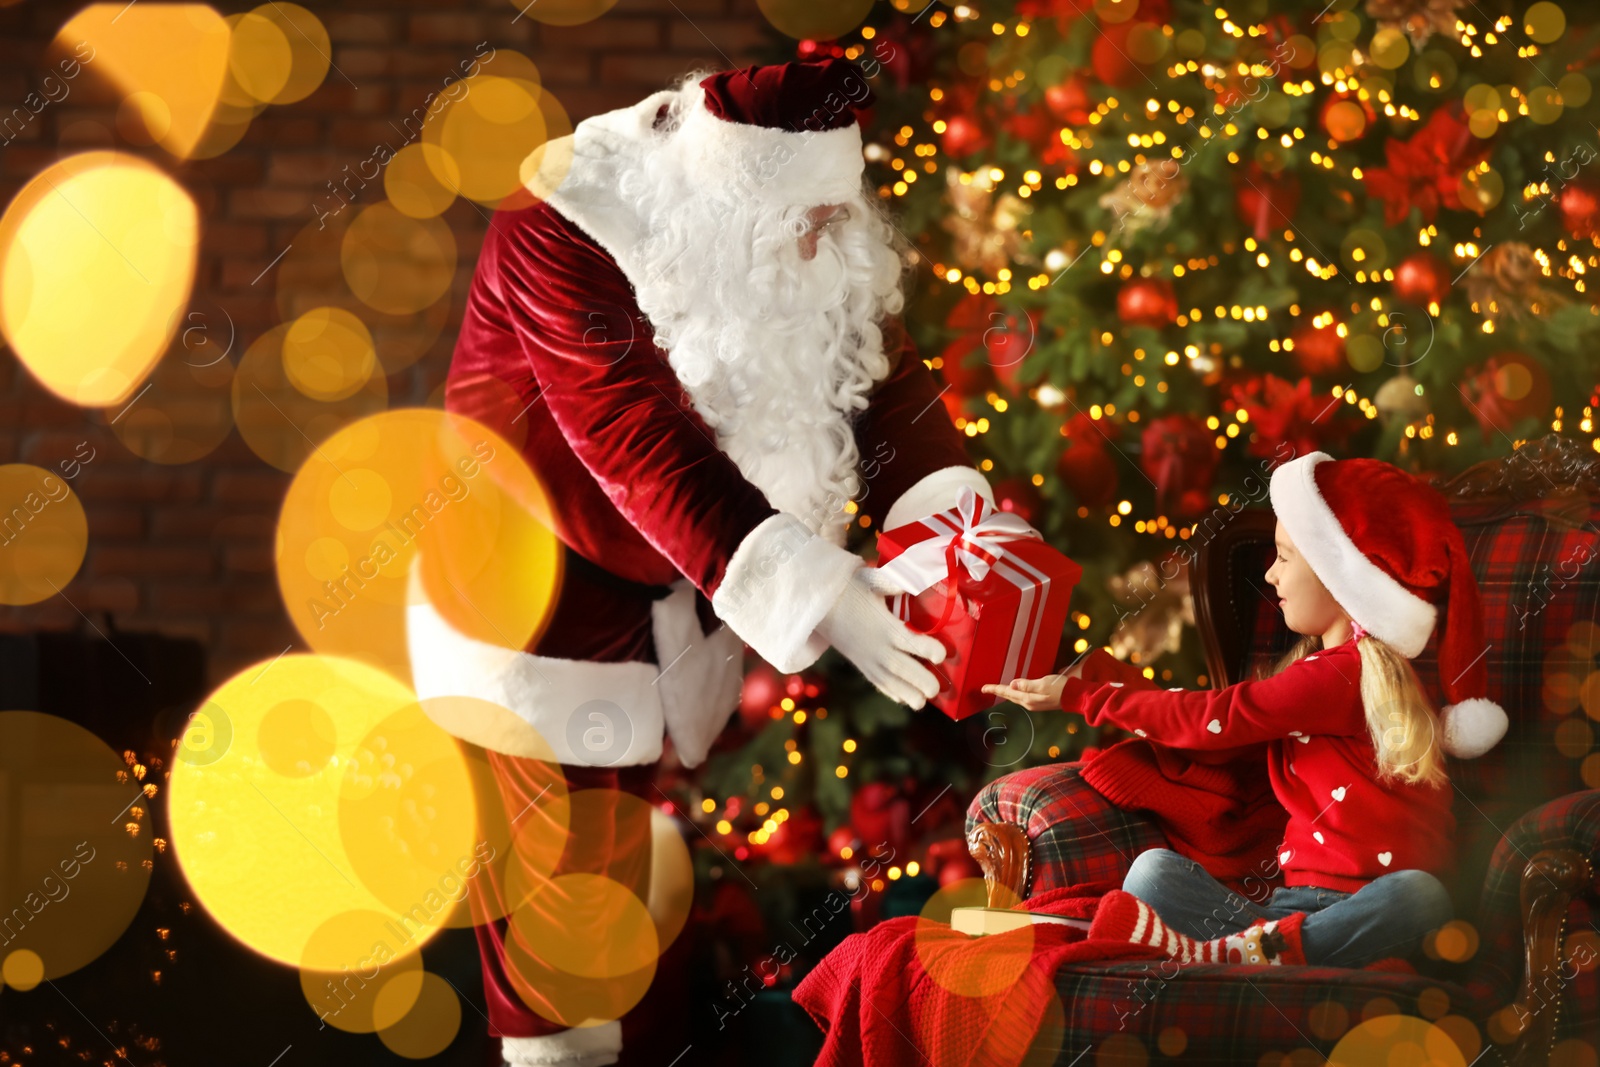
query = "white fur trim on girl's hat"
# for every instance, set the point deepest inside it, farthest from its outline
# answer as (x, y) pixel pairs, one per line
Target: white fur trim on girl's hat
(1385, 608)
(1472, 727)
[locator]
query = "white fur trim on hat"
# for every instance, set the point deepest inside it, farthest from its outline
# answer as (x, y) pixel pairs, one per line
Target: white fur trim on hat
(1385, 608)
(581, 1046)
(1472, 727)
(782, 168)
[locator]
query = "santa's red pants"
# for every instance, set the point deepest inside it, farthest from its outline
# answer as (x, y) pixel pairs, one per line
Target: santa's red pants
(524, 991)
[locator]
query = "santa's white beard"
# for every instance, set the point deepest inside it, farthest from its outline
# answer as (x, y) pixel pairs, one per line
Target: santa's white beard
(776, 352)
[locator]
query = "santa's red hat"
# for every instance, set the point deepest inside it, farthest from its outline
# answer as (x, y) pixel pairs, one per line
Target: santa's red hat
(1383, 544)
(785, 134)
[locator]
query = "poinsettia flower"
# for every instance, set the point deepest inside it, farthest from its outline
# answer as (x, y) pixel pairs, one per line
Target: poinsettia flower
(1425, 171)
(1280, 412)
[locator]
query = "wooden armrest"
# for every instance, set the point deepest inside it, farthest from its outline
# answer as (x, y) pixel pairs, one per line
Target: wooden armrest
(1549, 882)
(1003, 853)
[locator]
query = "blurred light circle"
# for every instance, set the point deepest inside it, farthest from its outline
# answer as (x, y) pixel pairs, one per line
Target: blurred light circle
(564, 12)
(75, 862)
(259, 57)
(1481, 190)
(184, 412)
(1390, 47)
(1345, 120)
(263, 850)
(43, 534)
(1544, 104)
(143, 118)
(484, 135)
(428, 1027)
(421, 180)
(328, 353)
(100, 230)
(311, 275)
(1575, 89)
(1544, 22)
(175, 52)
(815, 21)
(395, 263)
(357, 953)
(309, 49)
(559, 996)
(408, 484)
(1434, 70)
(1397, 1040)
(280, 423)
(409, 816)
(965, 966)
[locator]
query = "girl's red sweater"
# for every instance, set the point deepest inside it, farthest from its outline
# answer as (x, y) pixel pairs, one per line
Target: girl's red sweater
(1345, 826)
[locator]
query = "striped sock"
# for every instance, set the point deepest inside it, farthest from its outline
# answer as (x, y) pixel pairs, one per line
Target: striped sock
(1124, 917)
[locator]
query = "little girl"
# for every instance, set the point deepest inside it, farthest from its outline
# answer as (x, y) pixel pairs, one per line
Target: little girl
(1354, 746)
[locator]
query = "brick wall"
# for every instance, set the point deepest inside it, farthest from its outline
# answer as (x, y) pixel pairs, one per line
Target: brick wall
(187, 548)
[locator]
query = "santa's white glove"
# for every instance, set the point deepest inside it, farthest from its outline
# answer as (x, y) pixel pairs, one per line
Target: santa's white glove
(881, 582)
(882, 648)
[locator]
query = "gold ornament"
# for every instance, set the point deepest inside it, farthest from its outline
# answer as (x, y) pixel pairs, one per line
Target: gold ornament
(987, 235)
(1397, 399)
(1509, 280)
(1420, 19)
(1146, 197)
(1152, 612)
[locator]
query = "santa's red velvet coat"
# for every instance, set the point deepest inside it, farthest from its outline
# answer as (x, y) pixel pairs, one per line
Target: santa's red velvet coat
(555, 355)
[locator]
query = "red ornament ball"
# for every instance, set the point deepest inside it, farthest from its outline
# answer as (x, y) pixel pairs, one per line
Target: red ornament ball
(763, 687)
(1020, 497)
(1111, 59)
(843, 837)
(1089, 471)
(1147, 302)
(1580, 209)
(1318, 350)
(1421, 278)
(963, 136)
(1070, 101)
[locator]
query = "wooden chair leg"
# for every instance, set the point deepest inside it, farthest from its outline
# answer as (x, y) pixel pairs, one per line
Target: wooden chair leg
(1549, 882)
(1003, 852)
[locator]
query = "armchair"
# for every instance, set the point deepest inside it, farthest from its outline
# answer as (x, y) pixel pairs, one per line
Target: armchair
(1521, 974)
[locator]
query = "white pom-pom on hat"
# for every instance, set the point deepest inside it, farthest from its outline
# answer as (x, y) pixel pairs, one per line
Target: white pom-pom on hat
(1472, 727)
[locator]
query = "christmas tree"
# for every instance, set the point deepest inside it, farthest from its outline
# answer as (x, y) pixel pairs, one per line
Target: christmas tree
(1160, 246)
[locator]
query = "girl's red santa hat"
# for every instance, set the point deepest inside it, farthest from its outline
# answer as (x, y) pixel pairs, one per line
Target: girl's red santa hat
(1383, 544)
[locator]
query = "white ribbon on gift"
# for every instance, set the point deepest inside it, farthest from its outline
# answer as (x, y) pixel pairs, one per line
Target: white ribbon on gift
(976, 530)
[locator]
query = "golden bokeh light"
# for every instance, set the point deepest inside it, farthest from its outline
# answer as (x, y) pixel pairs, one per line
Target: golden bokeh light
(395, 263)
(262, 849)
(43, 534)
(311, 275)
(412, 484)
(559, 996)
(421, 180)
(170, 61)
(104, 231)
(564, 12)
(431, 1022)
(309, 47)
(408, 814)
(259, 57)
(594, 927)
(968, 966)
(811, 20)
(484, 135)
(328, 353)
(1399, 1041)
(76, 861)
(357, 956)
(280, 423)
(185, 409)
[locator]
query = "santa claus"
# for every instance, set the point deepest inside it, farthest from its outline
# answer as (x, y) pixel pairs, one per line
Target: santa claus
(696, 325)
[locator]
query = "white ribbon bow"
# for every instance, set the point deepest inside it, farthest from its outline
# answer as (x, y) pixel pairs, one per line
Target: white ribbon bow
(977, 543)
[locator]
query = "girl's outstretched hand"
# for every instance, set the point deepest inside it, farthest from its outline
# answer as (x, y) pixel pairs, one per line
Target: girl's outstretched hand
(1032, 694)
(1037, 694)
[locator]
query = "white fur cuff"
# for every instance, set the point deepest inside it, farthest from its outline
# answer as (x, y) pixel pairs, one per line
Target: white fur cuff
(585, 1046)
(779, 584)
(936, 492)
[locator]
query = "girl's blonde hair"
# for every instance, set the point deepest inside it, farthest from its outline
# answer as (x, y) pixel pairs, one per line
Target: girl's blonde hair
(1400, 717)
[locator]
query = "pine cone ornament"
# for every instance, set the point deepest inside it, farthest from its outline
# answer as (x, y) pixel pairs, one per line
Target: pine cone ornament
(1146, 197)
(986, 238)
(1154, 623)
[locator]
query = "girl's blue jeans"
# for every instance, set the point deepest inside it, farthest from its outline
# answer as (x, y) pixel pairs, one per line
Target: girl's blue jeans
(1389, 916)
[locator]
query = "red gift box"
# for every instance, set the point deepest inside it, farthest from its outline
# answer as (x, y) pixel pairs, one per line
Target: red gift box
(992, 592)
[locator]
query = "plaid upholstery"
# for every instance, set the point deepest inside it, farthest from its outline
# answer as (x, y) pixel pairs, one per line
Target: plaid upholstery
(1077, 835)
(1539, 576)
